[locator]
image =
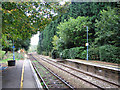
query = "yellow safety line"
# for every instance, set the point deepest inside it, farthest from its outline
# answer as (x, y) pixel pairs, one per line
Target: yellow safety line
(22, 75)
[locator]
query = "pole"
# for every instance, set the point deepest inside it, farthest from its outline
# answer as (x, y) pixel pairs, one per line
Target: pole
(87, 43)
(13, 51)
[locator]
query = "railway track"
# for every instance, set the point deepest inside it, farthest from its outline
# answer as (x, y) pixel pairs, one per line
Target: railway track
(95, 84)
(113, 83)
(48, 78)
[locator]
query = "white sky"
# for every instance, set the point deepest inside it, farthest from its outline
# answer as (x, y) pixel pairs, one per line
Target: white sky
(35, 39)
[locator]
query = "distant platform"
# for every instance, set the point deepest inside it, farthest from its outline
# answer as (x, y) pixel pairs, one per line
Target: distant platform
(97, 64)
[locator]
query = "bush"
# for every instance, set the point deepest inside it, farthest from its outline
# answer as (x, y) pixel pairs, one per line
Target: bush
(93, 53)
(18, 56)
(55, 54)
(76, 52)
(2, 54)
(83, 55)
(72, 53)
(65, 54)
(109, 53)
(44, 53)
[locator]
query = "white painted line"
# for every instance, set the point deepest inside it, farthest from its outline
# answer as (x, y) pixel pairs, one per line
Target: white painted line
(36, 77)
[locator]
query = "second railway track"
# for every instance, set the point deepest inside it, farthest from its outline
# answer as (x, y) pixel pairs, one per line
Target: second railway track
(113, 83)
(85, 77)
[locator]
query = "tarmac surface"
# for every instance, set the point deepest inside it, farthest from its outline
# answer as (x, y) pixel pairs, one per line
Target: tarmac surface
(11, 76)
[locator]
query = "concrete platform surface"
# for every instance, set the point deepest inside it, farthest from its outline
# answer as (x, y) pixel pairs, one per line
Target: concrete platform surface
(11, 77)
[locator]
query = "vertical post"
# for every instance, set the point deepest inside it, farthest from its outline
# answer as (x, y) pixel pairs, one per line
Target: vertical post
(19, 53)
(13, 50)
(87, 43)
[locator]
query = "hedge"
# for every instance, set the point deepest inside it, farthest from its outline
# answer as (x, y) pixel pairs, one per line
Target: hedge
(72, 53)
(107, 53)
(93, 53)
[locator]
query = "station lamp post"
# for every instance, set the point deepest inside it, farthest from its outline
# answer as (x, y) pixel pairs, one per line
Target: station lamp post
(87, 42)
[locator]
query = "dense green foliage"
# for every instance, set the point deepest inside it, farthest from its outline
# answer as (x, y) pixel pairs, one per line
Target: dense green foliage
(20, 20)
(22, 44)
(2, 54)
(108, 35)
(72, 53)
(109, 53)
(107, 28)
(72, 33)
(68, 33)
(94, 53)
(15, 26)
(46, 36)
(9, 56)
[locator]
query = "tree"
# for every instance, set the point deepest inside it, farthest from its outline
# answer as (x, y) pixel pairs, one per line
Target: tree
(107, 28)
(15, 26)
(106, 45)
(74, 10)
(72, 33)
(90, 9)
(19, 43)
(6, 44)
(46, 36)
(20, 20)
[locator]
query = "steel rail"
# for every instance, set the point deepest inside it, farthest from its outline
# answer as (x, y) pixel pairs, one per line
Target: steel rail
(86, 73)
(57, 76)
(46, 87)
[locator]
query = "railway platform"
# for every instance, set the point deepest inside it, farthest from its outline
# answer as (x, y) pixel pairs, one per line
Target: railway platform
(20, 76)
(97, 64)
(108, 71)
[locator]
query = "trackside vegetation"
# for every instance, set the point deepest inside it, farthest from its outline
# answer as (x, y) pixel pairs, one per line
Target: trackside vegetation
(21, 20)
(66, 36)
(63, 32)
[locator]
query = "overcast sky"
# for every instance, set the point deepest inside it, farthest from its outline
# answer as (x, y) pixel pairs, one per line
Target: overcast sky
(35, 39)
